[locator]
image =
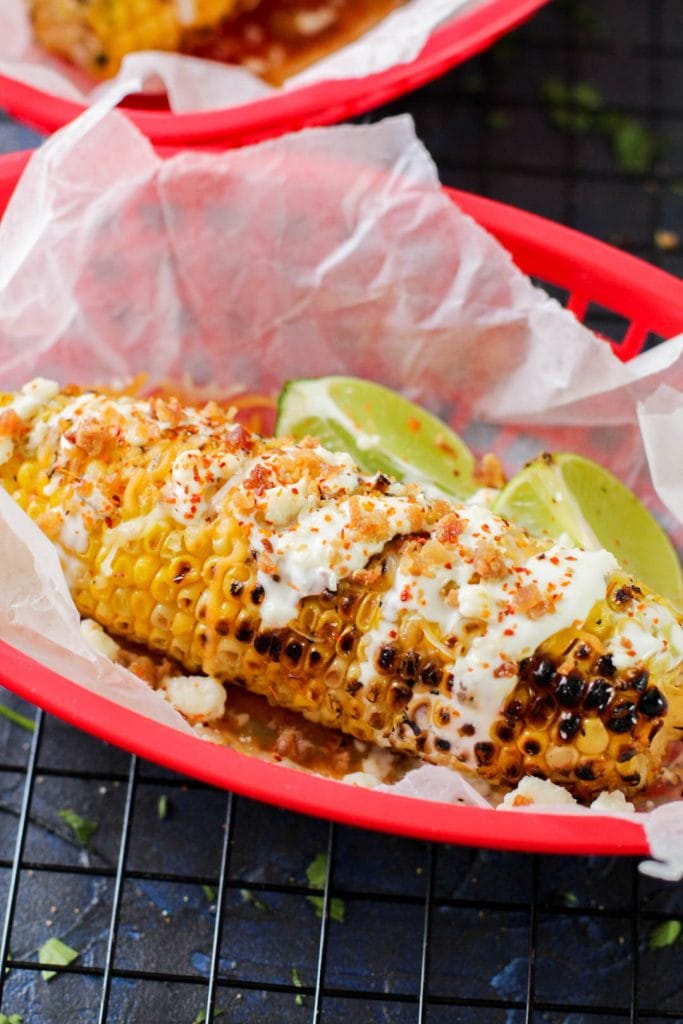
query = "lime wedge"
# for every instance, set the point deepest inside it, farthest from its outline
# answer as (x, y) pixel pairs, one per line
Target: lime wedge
(380, 430)
(566, 493)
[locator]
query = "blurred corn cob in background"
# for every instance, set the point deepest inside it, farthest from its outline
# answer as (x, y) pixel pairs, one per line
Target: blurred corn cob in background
(435, 629)
(97, 34)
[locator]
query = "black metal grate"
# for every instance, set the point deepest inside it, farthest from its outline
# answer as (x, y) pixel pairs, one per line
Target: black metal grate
(209, 908)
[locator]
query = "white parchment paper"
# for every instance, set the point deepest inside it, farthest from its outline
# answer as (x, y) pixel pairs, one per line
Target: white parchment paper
(196, 84)
(330, 251)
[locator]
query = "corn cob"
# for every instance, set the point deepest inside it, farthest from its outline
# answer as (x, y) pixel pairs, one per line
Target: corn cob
(97, 34)
(436, 629)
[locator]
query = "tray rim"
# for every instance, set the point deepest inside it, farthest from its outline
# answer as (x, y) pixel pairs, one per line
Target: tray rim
(322, 103)
(561, 252)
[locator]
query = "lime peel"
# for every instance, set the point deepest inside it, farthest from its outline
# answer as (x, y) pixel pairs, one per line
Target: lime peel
(381, 431)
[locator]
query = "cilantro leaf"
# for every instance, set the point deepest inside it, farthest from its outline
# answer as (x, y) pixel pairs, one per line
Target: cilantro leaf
(316, 873)
(296, 981)
(201, 1016)
(664, 934)
(162, 807)
(17, 719)
(249, 897)
(14, 1018)
(83, 828)
(210, 893)
(54, 951)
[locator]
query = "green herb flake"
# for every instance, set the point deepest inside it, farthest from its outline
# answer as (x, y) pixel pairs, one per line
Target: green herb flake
(54, 951)
(316, 873)
(82, 828)
(17, 719)
(249, 897)
(296, 981)
(162, 807)
(664, 934)
(14, 1018)
(210, 893)
(566, 896)
(635, 148)
(201, 1016)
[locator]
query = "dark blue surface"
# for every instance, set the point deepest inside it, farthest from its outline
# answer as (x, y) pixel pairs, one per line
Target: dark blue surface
(586, 920)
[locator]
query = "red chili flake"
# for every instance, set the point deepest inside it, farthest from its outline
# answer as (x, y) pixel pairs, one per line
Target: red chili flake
(449, 565)
(508, 632)
(406, 594)
(267, 545)
(413, 424)
(555, 560)
(393, 634)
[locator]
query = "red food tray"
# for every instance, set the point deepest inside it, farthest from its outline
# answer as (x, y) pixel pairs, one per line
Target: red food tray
(324, 103)
(589, 271)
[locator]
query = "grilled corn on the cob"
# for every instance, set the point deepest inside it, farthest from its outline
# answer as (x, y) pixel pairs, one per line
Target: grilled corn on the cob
(97, 34)
(432, 628)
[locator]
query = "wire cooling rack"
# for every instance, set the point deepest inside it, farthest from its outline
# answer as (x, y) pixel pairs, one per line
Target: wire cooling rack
(188, 904)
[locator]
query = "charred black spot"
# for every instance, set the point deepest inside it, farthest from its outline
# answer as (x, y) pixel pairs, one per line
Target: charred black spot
(236, 588)
(442, 744)
(513, 710)
(223, 627)
(543, 673)
(585, 771)
(625, 754)
(484, 753)
(294, 650)
(400, 693)
(652, 703)
(410, 664)
(598, 696)
(623, 717)
(466, 729)
(382, 482)
(505, 733)
(532, 747)
(353, 686)
(430, 674)
(328, 595)
(412, 725)
(275, 647)
(347, 641)
(605, 665)
(622, 595)
(569, 690)
(262, 643)
(569, 726)
(639, 680)
(244, 632)
(386, 658)
(315, 657)
(257, 594)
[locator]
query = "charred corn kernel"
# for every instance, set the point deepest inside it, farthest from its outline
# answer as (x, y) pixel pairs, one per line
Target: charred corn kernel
(97, 34)
(435, 629)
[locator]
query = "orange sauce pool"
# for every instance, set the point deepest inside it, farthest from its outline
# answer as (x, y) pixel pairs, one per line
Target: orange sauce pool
(277, 38)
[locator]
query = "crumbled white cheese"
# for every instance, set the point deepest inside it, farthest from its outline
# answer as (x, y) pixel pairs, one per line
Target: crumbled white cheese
(98, 640)
(539, 792)
(33, 396)
(613, 803)
(198, 698)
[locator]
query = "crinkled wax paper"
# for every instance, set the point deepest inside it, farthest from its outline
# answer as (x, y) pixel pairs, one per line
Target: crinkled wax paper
(195, 84)
(330, 251)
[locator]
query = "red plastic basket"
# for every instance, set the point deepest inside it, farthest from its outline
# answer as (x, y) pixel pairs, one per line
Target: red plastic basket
(589, 271)
(325, 103)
